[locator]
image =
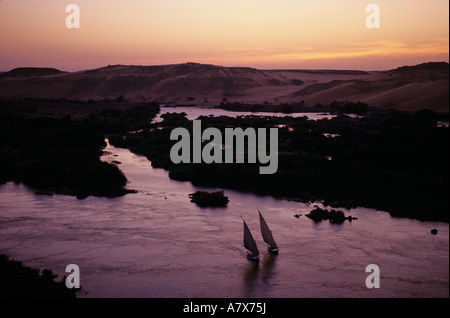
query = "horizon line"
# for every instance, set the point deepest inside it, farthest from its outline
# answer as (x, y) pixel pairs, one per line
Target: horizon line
(217, 65)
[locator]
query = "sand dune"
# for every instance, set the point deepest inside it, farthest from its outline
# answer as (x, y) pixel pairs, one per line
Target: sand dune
(30, 71)
(409, 87)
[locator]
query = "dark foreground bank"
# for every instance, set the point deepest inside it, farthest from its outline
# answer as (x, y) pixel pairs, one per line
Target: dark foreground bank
(20, 281)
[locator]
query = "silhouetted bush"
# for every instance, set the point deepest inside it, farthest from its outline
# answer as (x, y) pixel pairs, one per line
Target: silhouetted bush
(286, 108)
(209, 199)
(19, 281)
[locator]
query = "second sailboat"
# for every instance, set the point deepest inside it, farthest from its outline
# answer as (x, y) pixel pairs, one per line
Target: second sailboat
(267, 235)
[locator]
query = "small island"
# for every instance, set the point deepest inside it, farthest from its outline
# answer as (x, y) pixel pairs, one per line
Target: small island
(209, 199)
(333, 216)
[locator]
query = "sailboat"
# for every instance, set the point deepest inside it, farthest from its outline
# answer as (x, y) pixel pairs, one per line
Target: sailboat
(250, 244)
(267, 235)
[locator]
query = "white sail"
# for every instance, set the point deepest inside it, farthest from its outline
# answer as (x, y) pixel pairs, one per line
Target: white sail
(266, 233)
(249, 242)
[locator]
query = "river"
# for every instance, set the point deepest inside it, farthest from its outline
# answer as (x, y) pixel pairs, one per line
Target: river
(196, 111)
(156, 243)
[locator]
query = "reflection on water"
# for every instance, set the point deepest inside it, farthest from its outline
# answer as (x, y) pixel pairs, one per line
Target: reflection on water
(259, 276)
(251, 274)
(156, 243)
(442, 124)
(195, 112)
(268, 267)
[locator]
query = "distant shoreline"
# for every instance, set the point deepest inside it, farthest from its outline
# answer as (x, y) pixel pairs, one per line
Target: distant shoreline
(295, 108)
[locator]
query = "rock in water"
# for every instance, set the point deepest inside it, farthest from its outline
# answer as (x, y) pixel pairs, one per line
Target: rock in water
(334, 216)
(207, 199)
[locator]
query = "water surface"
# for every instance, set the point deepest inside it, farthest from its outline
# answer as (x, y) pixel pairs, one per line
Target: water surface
(155, 243)
(196, 111)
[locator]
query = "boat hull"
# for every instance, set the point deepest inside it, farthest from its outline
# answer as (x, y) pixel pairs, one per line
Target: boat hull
(253, 258)
(272, 250)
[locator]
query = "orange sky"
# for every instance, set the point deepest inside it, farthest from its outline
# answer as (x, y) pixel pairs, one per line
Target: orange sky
(257, 33)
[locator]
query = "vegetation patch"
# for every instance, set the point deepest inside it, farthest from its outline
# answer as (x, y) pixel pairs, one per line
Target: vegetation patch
(61, 155)
(386, 159)
(209, 199)
(19, 281)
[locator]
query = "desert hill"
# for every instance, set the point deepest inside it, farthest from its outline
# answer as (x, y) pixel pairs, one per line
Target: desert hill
(407, 88)
(426, 71)
(30, 71)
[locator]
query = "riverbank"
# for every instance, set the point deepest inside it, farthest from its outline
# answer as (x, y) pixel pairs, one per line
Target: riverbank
(389, 160)
(20, 281)
(54, 153)
(386, 159)
(291, 108)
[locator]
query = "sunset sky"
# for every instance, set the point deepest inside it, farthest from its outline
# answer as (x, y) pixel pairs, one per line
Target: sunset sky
(315, 34)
